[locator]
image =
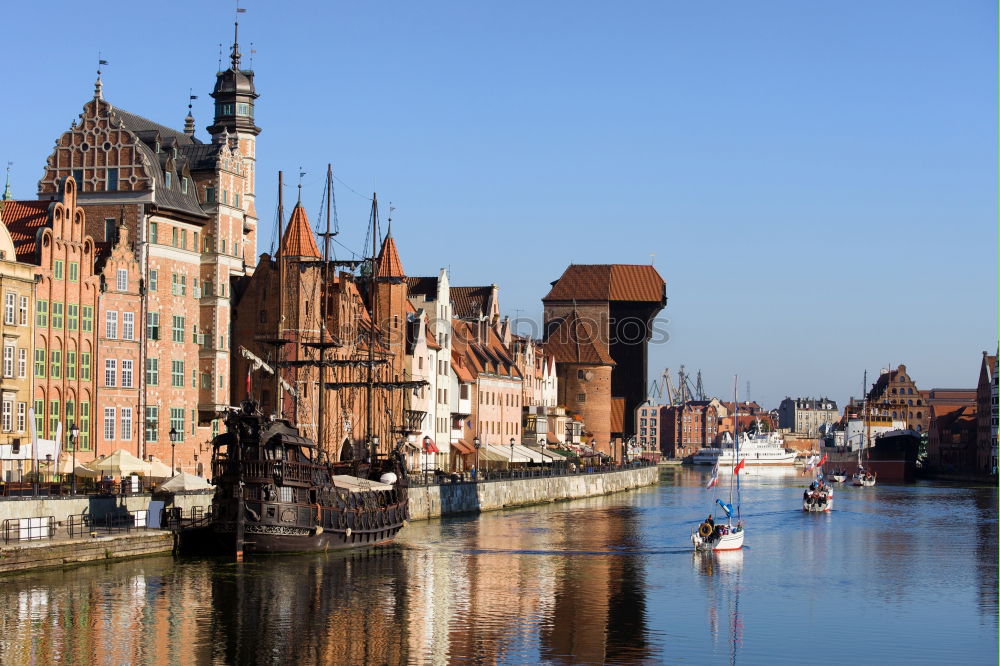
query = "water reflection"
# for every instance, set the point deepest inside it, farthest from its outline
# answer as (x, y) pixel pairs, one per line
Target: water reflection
(606, 580)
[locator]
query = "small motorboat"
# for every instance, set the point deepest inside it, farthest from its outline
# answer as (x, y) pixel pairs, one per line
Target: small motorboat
(818, 497)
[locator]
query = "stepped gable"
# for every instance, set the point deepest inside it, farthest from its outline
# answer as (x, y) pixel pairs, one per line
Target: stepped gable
(298, 240)
(574, 341)
(608, 282)
(389, 264)
(23, 220)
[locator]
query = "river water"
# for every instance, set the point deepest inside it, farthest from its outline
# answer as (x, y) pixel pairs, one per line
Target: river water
(895, 574)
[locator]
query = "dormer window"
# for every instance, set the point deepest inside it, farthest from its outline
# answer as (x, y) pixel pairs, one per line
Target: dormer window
(168, 179)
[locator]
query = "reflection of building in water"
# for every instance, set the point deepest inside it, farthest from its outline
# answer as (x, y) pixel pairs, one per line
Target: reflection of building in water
(316, 609)
(599, 609)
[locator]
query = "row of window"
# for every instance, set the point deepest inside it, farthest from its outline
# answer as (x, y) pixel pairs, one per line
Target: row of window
(54, 368)
(70, 316)
(505, 399)
(82, 420)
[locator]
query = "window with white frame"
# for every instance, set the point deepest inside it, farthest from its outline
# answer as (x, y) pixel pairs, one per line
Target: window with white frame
(126, 423)
(8, 307)
(8, 414)
(109, 423)
(111, 324)
(122, 279)
(110, 372)
(126, 375)
(8, 359)
(128, 326)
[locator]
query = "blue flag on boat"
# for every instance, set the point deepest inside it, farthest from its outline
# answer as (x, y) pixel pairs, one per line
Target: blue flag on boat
(728, 508)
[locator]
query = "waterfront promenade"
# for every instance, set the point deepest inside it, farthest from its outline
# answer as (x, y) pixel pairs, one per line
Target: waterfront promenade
(66, 531)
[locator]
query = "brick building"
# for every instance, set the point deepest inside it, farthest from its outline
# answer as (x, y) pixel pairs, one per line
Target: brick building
(897, 393)
(986, 414)
(689, 427)
(610, 307)
(53, 239)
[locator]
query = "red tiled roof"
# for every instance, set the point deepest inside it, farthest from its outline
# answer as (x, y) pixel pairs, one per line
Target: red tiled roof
(574, 341)
(470, 302)
(608, 282)
(298, 240)
(389, 265)
(617, 415)
(23, 219)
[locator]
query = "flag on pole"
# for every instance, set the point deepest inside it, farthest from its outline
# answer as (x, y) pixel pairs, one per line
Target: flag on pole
(736, 470)
(715, 476)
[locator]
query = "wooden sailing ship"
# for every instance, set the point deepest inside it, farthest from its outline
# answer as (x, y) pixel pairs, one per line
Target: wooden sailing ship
(278, 490)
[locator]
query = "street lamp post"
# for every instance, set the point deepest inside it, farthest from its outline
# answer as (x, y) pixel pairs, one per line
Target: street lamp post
(477, 443)
(427, 441)
(74, 437)
(173, 446)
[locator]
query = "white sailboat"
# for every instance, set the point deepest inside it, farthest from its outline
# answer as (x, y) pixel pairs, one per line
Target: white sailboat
(863, 477)
(709, 536)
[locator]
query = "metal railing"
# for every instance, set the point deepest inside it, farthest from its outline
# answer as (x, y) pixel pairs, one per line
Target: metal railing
(28, 529)
(437, 477)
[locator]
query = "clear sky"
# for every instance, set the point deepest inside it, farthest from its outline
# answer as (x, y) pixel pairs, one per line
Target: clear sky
(817, 180)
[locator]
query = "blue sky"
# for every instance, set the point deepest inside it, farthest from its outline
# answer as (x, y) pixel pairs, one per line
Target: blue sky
(816, 180)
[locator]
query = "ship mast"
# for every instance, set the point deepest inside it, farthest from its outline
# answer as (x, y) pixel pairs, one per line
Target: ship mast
(370, 388)
(320, 430)
(281, 282)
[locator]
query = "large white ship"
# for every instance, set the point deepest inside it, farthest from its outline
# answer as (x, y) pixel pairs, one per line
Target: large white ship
(756, 448)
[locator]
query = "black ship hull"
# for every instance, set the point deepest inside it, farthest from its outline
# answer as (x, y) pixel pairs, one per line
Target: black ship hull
(274, 496)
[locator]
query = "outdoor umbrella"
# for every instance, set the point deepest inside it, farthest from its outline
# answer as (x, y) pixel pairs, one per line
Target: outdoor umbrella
(184, 481)
(120, 463)
(159, 470)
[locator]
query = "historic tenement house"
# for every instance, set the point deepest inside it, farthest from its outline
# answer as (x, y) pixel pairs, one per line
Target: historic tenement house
(64, 367)
(188, 208)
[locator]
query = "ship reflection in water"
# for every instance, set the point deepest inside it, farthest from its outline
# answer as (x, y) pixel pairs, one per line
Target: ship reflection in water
(605, 580)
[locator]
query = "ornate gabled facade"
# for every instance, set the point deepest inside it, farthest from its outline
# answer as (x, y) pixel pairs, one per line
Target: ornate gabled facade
(189, 209)
(67, 291)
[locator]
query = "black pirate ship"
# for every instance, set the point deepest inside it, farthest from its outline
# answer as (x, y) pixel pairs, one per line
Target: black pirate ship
(278, 491)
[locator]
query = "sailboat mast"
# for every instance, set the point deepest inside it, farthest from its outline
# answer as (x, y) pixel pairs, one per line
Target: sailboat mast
(369, 411)
(736, 439)
(320, 430)
(281, 283)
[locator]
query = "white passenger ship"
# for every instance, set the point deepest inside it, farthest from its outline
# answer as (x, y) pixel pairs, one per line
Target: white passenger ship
(755, 448)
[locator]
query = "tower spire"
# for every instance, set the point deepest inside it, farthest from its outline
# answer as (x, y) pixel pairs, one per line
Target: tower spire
(235, 56)
(189, 120)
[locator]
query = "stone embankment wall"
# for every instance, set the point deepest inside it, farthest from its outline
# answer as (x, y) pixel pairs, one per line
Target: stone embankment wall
(61, 508)
(66, 552)
(456, 498)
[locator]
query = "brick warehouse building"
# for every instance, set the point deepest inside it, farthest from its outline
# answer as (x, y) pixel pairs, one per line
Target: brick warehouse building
(191, 225)
(610, 307)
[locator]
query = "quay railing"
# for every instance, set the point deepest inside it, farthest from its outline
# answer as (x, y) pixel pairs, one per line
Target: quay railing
(28, 529)
(439, 477)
